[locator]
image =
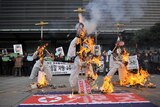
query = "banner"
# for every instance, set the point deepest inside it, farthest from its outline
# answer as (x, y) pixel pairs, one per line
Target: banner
(84, 87)
(60, 67)
(64, 67)
(132, 62)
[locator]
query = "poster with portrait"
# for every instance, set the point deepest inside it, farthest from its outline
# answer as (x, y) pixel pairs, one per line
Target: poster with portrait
(132, 62)
(59, 51)
(18, 48)
(4, 51)
(97, 50)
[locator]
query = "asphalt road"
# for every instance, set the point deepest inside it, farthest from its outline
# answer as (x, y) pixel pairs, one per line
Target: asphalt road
(14, 90)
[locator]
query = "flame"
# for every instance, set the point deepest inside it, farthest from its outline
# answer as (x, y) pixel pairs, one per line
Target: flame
(97, 60)
(125, 55)
(90, 44)
(42, 82)
(41, 76)
(40, 53)
(107, 86)
(133, 79)
(92, 75)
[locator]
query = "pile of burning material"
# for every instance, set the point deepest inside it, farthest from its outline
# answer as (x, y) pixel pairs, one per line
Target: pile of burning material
(140, 78)
(107, 86)
(42, 82)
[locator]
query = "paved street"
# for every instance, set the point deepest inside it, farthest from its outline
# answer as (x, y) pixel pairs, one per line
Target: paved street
(14, 90)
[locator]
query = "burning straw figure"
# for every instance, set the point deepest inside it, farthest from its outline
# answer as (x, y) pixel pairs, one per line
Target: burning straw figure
(40, 68)
(116, 63)
(125, 64)
(73, 50)
(86, 58)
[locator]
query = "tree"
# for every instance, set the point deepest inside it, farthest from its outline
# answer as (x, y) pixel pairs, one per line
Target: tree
(148, 37)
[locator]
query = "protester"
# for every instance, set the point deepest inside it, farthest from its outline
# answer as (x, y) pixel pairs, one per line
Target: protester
(18, 65)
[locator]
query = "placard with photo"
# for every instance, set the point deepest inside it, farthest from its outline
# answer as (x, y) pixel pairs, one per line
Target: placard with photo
(59, 51)
(18, 48)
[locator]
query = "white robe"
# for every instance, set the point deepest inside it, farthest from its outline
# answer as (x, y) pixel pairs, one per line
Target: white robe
(73, 79)
(72, 48)
(117, 65)
(36, 68)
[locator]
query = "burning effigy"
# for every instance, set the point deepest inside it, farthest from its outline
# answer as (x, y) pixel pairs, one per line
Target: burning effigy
(40, 68)
(141, 77)
(125, 64)
(86, 55)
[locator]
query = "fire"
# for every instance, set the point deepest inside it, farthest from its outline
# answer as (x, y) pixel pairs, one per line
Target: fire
(96, 60)
(40, 53)
(42, 82)
(125, 55)
(133, 79)
(89, 42)
(107, 86)
(92, 75)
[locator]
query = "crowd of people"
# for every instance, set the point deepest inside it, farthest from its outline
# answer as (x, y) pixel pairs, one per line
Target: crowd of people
(15, 66)
(148, 59)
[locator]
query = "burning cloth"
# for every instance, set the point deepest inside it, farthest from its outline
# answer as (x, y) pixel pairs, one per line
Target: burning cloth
(117, 65)
(72, 48)
(36, 68)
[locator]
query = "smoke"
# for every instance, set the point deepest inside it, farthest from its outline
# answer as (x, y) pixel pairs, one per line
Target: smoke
(103, 12)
